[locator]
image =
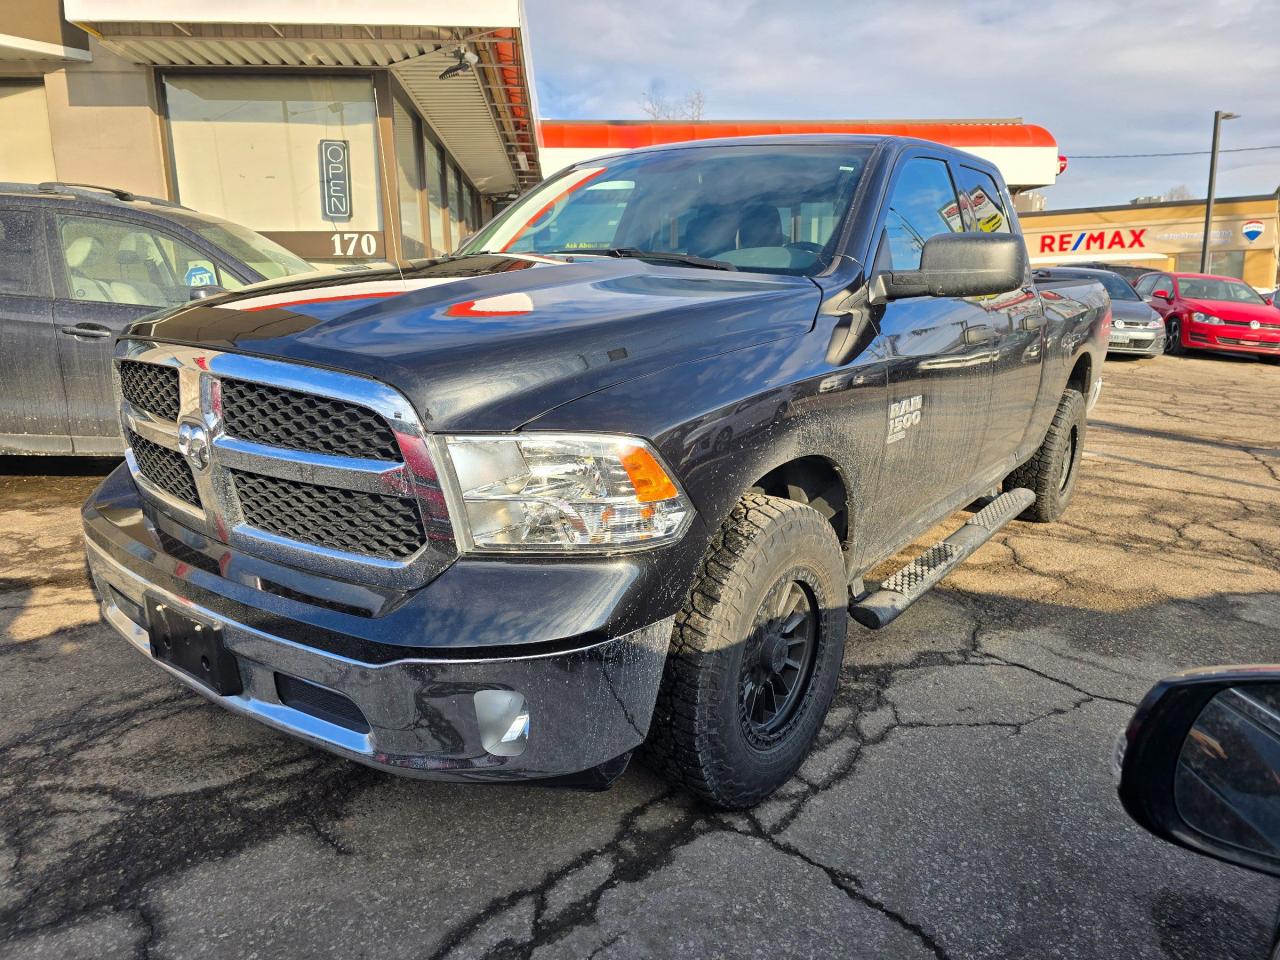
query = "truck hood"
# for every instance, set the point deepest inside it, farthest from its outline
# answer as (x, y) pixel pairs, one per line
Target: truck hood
(489, 342)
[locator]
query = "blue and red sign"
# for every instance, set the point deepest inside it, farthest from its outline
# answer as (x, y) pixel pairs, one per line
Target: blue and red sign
(1075, 241)
(1252, 229)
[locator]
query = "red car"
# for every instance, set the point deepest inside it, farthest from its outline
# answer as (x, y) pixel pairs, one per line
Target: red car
(1212, 313)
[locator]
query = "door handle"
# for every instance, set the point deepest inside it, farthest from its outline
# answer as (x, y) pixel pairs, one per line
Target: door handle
(90, 331)
(979, 333)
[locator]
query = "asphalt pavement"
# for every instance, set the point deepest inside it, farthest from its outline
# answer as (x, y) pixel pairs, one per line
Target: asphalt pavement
(960, 803)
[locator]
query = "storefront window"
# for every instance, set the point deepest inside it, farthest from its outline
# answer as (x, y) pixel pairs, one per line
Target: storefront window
(436, 204)
(408, 181)
(248, 149)
(459, 229)
(1222, 263)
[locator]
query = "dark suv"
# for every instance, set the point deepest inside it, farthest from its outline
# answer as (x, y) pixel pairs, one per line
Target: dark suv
(78, 264)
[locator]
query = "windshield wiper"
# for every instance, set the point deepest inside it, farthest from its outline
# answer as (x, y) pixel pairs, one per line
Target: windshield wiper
(635, 253)
(664, 256)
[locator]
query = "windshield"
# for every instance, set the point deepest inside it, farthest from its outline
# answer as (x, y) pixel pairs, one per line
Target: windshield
(1118, 287)
(773, 209)
(253, 249)
(1217, 288)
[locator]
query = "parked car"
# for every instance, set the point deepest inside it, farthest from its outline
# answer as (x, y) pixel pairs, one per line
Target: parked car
(1212, 313)
(1199, 766)
(458, 522)
(1130, 274)
(1135, 328)
(79, 264)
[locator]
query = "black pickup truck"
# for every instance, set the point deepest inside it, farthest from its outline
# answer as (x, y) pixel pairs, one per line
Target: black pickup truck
(608, 478)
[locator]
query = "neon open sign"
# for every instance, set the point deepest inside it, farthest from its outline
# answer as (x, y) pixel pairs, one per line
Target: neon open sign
(335, 179)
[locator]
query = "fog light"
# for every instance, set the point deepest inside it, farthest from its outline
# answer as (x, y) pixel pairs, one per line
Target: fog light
(503, 720)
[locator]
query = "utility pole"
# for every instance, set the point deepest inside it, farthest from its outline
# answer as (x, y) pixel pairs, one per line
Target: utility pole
(1218, 117)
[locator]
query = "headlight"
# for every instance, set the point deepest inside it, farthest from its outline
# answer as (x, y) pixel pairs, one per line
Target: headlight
(565, 492)
(1206, 318)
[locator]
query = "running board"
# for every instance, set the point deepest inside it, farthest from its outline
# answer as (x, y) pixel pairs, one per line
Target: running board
(879, 609)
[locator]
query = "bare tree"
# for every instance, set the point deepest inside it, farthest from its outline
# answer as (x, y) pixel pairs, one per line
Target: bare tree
(1178, 192)
(658, 107)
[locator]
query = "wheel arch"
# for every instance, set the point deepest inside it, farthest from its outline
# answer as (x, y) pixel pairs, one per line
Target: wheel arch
(815, 481)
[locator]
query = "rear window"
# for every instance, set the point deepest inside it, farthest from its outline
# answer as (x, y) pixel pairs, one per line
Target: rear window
(18, 272)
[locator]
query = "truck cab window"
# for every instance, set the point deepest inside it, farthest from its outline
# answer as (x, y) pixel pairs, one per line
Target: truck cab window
(980, 195)
(923, 205)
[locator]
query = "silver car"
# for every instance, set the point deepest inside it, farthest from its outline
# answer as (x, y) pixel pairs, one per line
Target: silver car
(1135, 327)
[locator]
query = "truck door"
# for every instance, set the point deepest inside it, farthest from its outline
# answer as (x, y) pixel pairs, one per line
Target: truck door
(33, 416)
(109, 272)
(1018, 321)
(939, 360)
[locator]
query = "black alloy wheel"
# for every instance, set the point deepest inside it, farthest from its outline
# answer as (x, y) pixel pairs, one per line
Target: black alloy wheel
(777, 664)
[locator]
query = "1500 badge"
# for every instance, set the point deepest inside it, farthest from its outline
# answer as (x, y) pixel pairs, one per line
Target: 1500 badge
(903, 415)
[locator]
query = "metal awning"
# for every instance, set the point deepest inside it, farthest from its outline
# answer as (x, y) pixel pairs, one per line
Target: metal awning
(483, 116)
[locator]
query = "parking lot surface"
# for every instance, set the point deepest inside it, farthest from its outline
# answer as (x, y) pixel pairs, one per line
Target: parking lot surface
(960, 803)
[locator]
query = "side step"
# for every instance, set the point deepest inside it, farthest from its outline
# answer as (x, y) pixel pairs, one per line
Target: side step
(879, 609)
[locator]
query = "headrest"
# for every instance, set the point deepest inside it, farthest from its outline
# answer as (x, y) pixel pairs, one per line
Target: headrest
(81, 250)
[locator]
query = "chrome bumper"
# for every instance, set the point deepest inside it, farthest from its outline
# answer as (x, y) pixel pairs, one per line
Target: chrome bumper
(425, 717)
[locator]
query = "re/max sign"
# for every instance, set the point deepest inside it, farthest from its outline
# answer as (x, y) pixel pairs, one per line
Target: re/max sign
(1093, 240)
(335, 180)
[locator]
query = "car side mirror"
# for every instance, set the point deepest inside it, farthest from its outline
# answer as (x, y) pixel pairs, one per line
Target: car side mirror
(958, 265)
(204, 291)
(1164, 295)
(1200, 764)
(1270, 301)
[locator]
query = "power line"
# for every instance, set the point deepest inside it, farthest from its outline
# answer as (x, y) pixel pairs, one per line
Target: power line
(1187, 153)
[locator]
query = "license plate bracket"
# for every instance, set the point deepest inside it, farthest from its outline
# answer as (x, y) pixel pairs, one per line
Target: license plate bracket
(195, 648)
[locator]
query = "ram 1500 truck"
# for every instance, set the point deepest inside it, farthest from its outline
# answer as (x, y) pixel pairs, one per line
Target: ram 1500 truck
(608, 477)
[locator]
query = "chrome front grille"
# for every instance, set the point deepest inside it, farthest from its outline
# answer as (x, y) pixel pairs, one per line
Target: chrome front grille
(166, 469)
(304, 421)
(151, 387)
(300, 465)
(340, 519)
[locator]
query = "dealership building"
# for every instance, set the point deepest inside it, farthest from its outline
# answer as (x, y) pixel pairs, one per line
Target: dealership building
(1243, 240)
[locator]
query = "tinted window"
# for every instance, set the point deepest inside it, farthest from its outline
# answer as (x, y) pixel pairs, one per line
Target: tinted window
(981, 197)
(923, 205)
(1147, 284)
(768, 208)
(18, 274)
(114, 261)
(1116, 285)
(1213, 288)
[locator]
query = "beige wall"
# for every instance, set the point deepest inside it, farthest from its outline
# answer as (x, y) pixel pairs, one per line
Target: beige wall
(26, 153)
(104, 126)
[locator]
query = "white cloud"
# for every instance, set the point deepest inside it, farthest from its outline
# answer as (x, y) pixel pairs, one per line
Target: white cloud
(1140, 77)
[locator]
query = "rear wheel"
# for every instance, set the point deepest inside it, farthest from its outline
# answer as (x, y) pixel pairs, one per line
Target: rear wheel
(754, 657)
(1051, 474)
(1173, 337)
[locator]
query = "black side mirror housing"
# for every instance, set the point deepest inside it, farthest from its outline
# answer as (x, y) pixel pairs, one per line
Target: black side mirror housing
(205, 291)
(959, 265)
(1200, 764)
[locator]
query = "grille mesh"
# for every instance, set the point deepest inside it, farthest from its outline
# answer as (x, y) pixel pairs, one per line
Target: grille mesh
(165, 468)
(150, 387)
(304, 421)
(348, 520)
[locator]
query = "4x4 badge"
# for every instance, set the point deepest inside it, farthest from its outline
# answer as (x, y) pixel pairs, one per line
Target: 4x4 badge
(193, 443)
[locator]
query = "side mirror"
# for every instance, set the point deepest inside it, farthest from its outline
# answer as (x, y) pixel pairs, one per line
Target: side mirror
(1200, 764)
(1270, 301)
(204, 291)
(1164, 295)
(959, 265)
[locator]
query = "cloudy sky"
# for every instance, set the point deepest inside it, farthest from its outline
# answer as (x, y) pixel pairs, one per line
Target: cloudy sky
(1139, 76)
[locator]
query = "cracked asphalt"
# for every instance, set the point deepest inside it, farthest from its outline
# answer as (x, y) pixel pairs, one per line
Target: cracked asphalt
(959, 804)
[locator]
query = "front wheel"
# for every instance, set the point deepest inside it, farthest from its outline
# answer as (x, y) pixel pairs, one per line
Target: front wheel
(1173, 337)
(1051, 474)
(755, 655)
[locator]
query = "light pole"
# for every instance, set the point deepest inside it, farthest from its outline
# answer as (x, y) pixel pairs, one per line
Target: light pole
(1218, 117)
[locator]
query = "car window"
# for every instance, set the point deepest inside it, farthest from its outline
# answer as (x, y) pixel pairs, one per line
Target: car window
(1147, 284)
(981, 197)
(1116, 285)
(115, 261)
(1216, 288)
(17, 240)
(919, 208)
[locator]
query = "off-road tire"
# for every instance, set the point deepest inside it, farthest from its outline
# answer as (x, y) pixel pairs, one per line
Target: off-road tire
(1043, 473)
(700, 737)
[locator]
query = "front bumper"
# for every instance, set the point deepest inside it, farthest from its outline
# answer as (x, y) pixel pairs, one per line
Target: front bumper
(1234, 339)
(1137, 341)
(429, 716)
